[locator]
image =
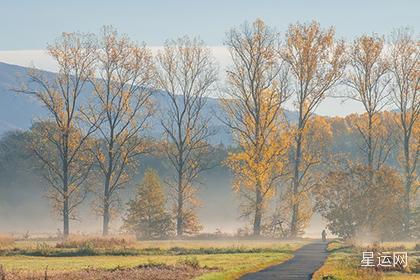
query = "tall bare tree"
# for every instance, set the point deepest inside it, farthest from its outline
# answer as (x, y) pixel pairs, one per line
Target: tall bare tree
(186, 73)
(62, 140)
(405, 67)
(317, 62)
(368, 78)
(257, 88)
(121, 109)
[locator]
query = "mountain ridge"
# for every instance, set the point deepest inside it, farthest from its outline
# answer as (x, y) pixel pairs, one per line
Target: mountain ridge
(18, 111)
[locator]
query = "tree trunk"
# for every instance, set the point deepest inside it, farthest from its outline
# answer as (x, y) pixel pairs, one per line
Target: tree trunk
(295, 187)
(407, 189)
(179, 211)
(407, 209)
(106, 218)
(370, 218)
(258, 211)
(105, 227)
(370, 147)
(66, 228)
(107, 185)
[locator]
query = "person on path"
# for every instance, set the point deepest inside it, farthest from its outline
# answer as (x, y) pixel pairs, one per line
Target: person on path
(324, 235)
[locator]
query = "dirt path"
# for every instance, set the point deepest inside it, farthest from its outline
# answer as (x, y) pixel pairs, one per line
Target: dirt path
(305, 262)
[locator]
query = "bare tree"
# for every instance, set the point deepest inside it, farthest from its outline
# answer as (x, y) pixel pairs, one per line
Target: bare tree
(316, 62)
(404, 65)
(62, 140)
(369, 79)
(257, 88)
(121, 109)
(186, 73)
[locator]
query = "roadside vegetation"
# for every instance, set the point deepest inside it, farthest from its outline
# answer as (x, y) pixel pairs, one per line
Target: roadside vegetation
(344, 262)
(123, 257)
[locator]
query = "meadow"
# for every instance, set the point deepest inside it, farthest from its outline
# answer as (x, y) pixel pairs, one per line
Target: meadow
(82, 257)
(344, 262)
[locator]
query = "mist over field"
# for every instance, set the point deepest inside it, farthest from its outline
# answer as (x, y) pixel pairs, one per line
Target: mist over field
(209, 140)
(25, 207)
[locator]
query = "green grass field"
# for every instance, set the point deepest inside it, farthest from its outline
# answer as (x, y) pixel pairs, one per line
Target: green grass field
(244, 256)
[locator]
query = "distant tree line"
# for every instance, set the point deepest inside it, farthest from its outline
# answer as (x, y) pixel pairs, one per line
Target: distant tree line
(360, 172)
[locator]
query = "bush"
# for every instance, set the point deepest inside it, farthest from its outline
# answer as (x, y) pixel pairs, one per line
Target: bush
(190, 262)
(88, 249)
(416, 268)
(43, 249)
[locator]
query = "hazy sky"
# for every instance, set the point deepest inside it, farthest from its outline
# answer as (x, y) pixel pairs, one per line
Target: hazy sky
(27, 26)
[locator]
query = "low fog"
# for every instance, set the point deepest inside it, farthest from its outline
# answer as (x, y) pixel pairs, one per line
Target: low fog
(25, 208)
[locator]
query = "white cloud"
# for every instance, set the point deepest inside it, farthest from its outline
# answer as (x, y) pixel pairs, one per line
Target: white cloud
(29, 58)
(41, 59)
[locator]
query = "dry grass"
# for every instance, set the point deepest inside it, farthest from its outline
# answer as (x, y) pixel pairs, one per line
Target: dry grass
(143, 272)
(388, 246)
(2, 273)
(128, 246)
(108, 242)
(91, 257)
(345, 266)
(6, 241)
(231, 266)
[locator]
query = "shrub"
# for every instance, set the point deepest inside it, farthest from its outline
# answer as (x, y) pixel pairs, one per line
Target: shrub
(88, 249)
(416, 268)
(43, 249)
(190, 262)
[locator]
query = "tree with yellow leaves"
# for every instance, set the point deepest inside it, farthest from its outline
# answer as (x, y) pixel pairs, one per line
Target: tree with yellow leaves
(121, 110)
(62, 141)
(368, 79)
(257, 88)
(317, 62)
(352, 208)
(186, 72)
(405, 68)
(259, 163)
(317, 157)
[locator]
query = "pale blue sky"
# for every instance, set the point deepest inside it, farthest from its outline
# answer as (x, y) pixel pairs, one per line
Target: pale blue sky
(26, 24)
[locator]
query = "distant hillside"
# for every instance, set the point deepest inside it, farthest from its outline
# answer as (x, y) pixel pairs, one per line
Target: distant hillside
(17, 111)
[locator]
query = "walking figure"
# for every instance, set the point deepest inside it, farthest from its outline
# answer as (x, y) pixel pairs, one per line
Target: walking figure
(324, 236)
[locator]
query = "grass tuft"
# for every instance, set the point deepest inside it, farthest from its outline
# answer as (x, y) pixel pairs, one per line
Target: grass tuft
(6, 241)
(190, 262)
